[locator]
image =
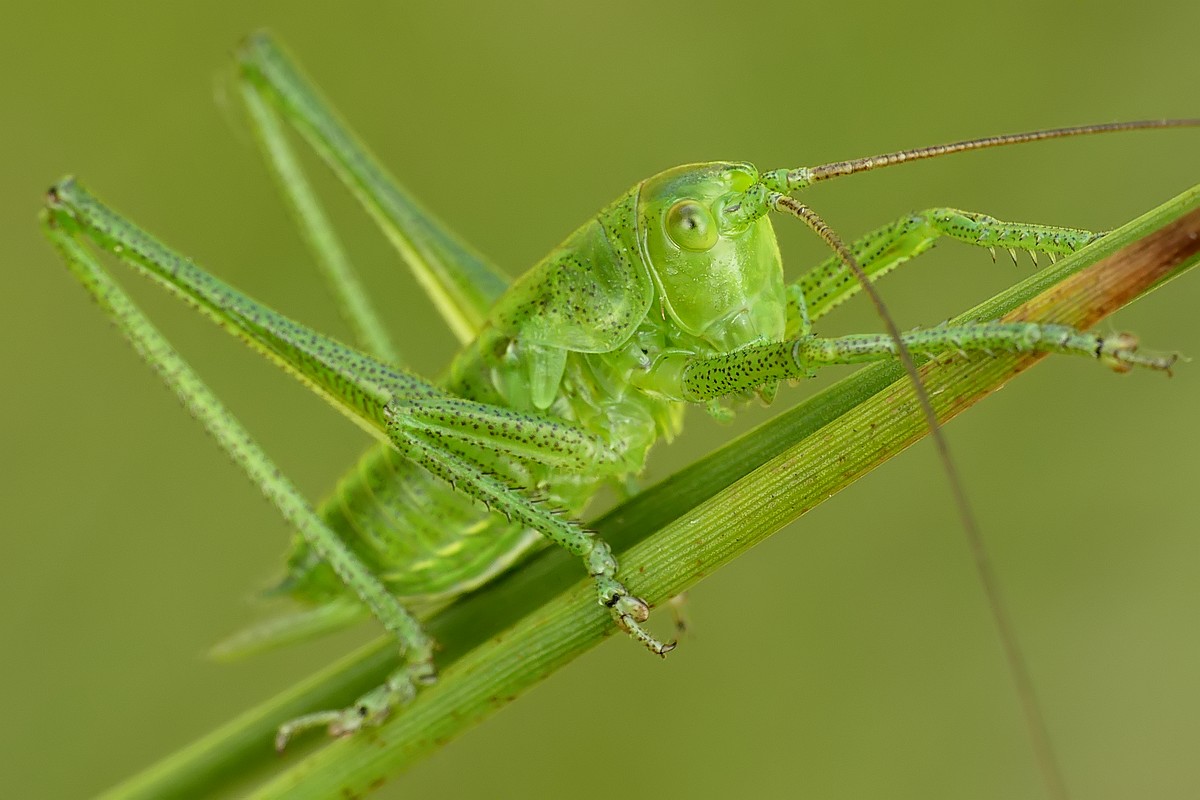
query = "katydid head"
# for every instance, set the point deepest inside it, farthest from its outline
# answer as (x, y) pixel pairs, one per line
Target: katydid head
(722, 286)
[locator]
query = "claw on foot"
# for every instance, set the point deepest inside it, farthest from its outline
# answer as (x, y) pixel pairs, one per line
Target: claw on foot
(371, 709)
(1120, 352)
(630, 612)
(631, 626)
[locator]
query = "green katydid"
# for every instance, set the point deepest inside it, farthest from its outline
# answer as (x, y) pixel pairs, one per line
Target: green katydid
(673, 294)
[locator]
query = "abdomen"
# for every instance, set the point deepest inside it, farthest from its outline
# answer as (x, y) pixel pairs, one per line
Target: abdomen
(427, 540)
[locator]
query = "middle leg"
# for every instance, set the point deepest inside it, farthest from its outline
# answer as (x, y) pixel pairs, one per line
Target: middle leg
(744, 369)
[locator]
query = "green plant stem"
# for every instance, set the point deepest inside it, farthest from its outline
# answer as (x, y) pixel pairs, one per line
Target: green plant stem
(505, 638)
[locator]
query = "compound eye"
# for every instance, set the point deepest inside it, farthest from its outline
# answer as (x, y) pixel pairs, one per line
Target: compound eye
(691, 226)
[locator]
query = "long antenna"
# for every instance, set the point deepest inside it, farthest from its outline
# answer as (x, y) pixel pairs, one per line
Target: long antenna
(799, 178)
(1035, 721)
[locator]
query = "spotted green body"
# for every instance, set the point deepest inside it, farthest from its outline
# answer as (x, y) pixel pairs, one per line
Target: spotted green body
(578, 338)
(673, 294)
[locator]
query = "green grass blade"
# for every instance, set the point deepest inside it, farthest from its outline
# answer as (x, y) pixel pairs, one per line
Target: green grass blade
(505, 638)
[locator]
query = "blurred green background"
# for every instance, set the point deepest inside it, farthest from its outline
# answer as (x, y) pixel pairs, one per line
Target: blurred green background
(849, 656)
